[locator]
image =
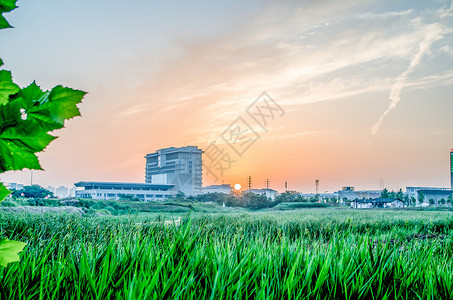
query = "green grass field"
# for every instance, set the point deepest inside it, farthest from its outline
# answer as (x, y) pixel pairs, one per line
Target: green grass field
(298, 254)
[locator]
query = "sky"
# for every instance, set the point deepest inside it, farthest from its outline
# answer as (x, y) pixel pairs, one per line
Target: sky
(363, 88)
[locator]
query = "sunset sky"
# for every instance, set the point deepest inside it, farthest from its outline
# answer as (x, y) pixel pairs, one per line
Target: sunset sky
(366, 87)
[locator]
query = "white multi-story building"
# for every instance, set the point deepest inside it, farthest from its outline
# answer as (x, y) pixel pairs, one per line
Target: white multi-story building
(181, 167)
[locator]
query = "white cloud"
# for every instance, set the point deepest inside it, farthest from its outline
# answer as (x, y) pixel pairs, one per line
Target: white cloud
(432, 33)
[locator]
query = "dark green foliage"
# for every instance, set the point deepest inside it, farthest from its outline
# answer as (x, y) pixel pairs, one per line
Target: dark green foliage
(32, 191)
(180, 196)
(245, 200)
(290, 196)
(421, 197)
(128, 197)
(385, 193)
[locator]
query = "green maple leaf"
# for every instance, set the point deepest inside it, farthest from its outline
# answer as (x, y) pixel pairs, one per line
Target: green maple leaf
(4, 192)
(9, 251)
(62, 103)
(33, 139)
(35, 102)
(7, 86)
(6, 6)
(18, 148)
(4, 23)
(32, 93)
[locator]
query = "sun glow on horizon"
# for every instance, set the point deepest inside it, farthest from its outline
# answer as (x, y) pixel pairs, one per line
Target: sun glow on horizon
(237, 187)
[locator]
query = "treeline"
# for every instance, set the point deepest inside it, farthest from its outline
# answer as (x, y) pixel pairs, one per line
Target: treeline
(249, 199)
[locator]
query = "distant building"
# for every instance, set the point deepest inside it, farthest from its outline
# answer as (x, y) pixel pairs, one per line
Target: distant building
(181, 167)
(323, 197)
(451, 169)
(376, 203)
(72, 192)
(13, 186)
(269, 193)
(113, 190)
(61, 192)
(429, 193)
(51, 189)
(349, 193)
(217, 188)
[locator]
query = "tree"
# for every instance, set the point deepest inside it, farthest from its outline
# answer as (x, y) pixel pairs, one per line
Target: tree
(255, 201)
(33, 191)
(413, 201)
(289, 196)
(180, 196)
(128, 197)
(392, 195)
(400, 195)
(442, 201)
(421, 197)
(450, 199)
(431, 201)
(27, 115)
(407, 200)
(385, 193)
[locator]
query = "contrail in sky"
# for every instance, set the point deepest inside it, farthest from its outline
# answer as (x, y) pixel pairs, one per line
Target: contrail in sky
(433, 32)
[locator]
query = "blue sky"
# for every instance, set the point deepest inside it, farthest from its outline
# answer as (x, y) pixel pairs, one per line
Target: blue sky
(365, 85)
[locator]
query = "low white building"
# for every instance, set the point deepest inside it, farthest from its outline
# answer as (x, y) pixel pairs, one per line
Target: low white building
(348, 193)
(269, 193)
(438, 195)
(113, 190)
(217, 188)
(376, 203)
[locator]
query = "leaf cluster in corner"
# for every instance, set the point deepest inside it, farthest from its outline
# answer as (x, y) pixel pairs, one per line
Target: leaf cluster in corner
(5, 7)
(27, 116)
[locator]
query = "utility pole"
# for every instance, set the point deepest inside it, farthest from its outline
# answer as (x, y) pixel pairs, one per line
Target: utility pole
(31, 177)
(286, 186)
(317, 185)
(267, 183)
(381, 184)
(249, 183)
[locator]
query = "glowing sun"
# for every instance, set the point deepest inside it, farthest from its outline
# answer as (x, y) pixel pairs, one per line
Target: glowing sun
(237, 186)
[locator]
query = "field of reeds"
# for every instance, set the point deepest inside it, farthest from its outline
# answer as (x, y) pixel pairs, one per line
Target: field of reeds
(302, 254)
